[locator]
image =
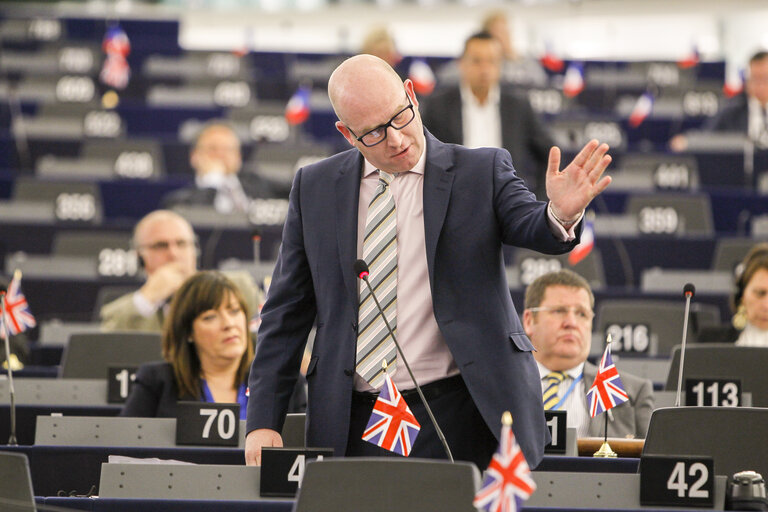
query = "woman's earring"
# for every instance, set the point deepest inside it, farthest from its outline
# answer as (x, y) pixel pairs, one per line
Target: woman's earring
(739, 320)
(190, 340)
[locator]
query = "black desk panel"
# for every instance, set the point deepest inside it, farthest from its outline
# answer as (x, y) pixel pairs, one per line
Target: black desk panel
(142, 505)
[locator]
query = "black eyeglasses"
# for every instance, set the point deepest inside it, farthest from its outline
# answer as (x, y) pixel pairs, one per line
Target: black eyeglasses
(378, 134)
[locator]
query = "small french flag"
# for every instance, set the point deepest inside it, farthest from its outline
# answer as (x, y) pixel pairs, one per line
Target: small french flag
(690, 60)
(422, 77)
(551, 61)
(297, 109)
(642, 109)
(573, 83)
(734, 81)
(586, 244)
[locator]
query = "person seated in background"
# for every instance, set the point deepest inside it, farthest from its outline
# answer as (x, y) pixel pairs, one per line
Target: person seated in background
(481, 112)
(516, 68)
(207, 349)
(746, 113)
(749, 325)
(378, 41)
(217, 161)
(167, 250)
(558, 320)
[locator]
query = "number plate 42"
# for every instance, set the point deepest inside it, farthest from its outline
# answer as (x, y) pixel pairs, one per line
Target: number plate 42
(677, 480)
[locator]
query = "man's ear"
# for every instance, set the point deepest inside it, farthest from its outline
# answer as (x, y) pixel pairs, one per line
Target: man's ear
(528, 322)
(345, 132)
(411, 92)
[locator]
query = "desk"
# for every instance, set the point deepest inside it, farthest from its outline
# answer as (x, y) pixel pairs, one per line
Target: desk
(78, 468)
(141, 505)
(26, 417)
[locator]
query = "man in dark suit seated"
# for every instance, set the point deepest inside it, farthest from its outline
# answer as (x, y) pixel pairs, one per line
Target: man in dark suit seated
(558, 320)
(747, 113)
(483, 112)
(219, 180)
(167, 249)
(429, 219)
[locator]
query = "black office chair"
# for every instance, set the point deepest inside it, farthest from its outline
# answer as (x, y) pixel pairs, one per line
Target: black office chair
(387, 485)
(729, 252)
(532, 264)
(724, 360)
(735, 437)
(15, 483)
(89, 355)
(692, 214)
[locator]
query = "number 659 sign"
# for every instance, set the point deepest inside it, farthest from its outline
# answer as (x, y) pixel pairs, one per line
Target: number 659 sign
(204, 423)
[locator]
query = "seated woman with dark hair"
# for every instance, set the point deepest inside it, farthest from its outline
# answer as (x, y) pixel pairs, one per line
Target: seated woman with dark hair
(749, 325)
(207, 349)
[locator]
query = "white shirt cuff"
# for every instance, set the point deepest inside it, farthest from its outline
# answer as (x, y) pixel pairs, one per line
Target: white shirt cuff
(143, 306)
(563, 234)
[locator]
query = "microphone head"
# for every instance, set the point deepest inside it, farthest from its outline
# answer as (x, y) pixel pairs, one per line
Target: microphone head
(361, 269)
(688, 290)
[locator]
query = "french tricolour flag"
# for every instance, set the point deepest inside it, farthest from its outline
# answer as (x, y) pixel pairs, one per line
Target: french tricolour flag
(422, 77)
(586, 244)
(690, 60)
(643, 108)
(551, 61)
(573, 83)
(297, 109)
(734, 81)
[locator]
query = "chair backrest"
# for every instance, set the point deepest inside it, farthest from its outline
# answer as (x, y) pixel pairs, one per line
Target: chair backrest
(532, 264)
(660, 321)
(662, 171)
(729, 252)
(15, 483)
(672, 214)
(735, 437)
(724, 360)
(293, 430)
(135, 158)
(89, 355)
(386, 484)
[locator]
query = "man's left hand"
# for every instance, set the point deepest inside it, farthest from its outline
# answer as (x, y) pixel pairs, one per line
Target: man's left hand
(571, 190)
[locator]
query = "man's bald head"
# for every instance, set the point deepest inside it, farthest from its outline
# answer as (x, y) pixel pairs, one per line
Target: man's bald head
(358, 82)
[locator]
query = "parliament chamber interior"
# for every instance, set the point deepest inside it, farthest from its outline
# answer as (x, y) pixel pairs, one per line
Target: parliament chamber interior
(82, 161)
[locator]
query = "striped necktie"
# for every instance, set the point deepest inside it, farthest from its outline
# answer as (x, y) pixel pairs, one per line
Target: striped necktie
(550, 393)
(374, 343)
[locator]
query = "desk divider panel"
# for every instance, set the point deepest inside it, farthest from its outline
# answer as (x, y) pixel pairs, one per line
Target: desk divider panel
(180, 481)
(595, 491)
(39, 391)
(110, 431)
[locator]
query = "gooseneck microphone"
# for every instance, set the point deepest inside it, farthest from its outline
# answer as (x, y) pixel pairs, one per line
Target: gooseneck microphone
(688, 291)
(11, 391)
(361, 269)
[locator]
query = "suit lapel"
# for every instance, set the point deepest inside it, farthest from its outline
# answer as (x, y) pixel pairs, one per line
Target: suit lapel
(438, 180)
(347, 199)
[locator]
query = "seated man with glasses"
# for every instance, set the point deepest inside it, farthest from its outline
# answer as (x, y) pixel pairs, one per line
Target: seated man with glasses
(167, 250)
(558, 320)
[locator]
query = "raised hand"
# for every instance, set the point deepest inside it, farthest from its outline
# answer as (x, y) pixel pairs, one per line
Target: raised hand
(571, 190)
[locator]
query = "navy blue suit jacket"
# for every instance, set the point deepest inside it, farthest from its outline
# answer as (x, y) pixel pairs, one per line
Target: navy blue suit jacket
(473, 203)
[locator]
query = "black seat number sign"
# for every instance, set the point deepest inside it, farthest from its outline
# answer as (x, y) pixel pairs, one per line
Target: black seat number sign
(556, 423)
(677, 480)
(713, 392)
(119, 383)
(282, 469)
(202, 423)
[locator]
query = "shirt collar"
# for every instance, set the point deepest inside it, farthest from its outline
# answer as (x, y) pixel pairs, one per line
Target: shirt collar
(573, 373)
(369, 168)
(467, 98)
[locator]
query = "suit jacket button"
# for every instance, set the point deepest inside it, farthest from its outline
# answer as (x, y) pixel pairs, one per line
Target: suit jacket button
(348, 372)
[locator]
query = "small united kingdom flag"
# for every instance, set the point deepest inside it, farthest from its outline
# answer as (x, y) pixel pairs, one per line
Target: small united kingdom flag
(607, 391)
(392, 425)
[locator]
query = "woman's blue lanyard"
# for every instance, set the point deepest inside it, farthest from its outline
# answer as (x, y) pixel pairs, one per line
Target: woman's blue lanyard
(568, 392)
(242, 397)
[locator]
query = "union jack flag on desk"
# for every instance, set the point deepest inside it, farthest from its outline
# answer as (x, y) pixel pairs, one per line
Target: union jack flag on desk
(16, 314)
(508, 481)
(607, 391)
(392, 425)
